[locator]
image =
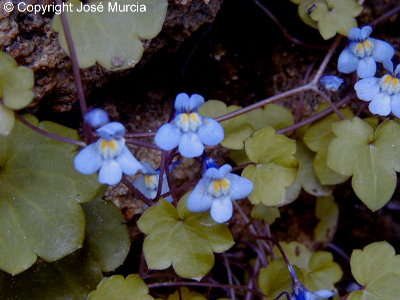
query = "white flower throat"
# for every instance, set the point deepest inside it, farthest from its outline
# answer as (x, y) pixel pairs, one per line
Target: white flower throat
(110, 149)
(219, 187)
(390, 84)
(188, 122)
(363, 49)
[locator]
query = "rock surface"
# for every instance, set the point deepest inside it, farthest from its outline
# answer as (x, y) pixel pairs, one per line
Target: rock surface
(29, 38)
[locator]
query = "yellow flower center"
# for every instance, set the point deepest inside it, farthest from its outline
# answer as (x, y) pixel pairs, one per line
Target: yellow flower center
(109, 149)
(219, 187)
(390, 84)
(151, 182)
(188, 122)
(363, 49)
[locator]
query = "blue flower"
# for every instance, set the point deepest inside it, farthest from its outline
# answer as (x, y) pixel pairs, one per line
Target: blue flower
(301, 293)
(363, 52)
(188, 129)
(148, 183)
(109, 155)
(384, 92)
(331, 82)
(96, 117)
(216, 190)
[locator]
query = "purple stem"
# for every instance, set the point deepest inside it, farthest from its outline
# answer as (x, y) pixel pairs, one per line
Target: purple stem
(135, 191)
(142, 144)
(48, 134)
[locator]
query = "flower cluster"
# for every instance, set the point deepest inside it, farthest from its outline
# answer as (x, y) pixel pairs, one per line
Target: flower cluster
(362, 54)
(216, 191)
(189, 131)
(109, 154)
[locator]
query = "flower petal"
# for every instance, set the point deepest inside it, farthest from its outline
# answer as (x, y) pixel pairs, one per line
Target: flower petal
(380, 105)
(96, 117)
(366, 67)
(240, 187)
(167, 137)
(321, 294)
(88, 160)
(111, 130)
(199, 200)
(347, 62)
(367, 88)
(221, 209)
(190, 145)
(110, 172)
(382, 51)
(395, 104)
(365, 32)
(185, 104)
(224, 170)
(210, 132)
(128, 163)
(355, 34)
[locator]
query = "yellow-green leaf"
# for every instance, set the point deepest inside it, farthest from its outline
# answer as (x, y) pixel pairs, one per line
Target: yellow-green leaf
(335, 16)
(317, 138)
(236, 130)
(327, 213)
(186, 294)
(274, 115)
(113, 39)
(7, 120)
(117, 287)
(262, 212)
(377, 269)
(40, 190)
(16, 83)
(182, 239)
(372, 158)
(275, 168)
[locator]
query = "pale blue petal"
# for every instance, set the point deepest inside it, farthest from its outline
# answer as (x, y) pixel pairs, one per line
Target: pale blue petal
(111, 130)
(88, 160)
(395, 104)
(388, 65)
(210, 132)
(321, 294)
(199, 200)
(212, 173)
(347, 62)
(380, 105)
(128, 163)
(110, 172)
(382, 51)
(190, 145)
(365, 32)
(367, 88)
(355, 34)
(331, 82)
(148, 169)
(184, 103)
(168, 136)
(221, 209)
(140, 185)
(165, 189)
(240, 187)
(366, 67)
(397, 70)
(224, 170)
(96, 117)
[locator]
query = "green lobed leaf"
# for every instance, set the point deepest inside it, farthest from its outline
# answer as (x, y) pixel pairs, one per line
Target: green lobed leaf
(16, 83)
(305, 6)
(262, 212)
(275, 168)
(306, 177)
(274, 115)
(327, 212)
(318, 269)
(275, 278)
(186, 294)
(182, 239)
(112, 39)
(72, 278)
(39, 210)
(335, 16)
(117, 287)
(106, 235)
(236, 130)
(318, 138)
(372, 158)
(377, 269)
(7, 120)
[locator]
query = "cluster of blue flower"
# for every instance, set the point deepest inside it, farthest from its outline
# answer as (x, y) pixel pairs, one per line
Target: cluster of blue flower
(189, 131)
(362, 55)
